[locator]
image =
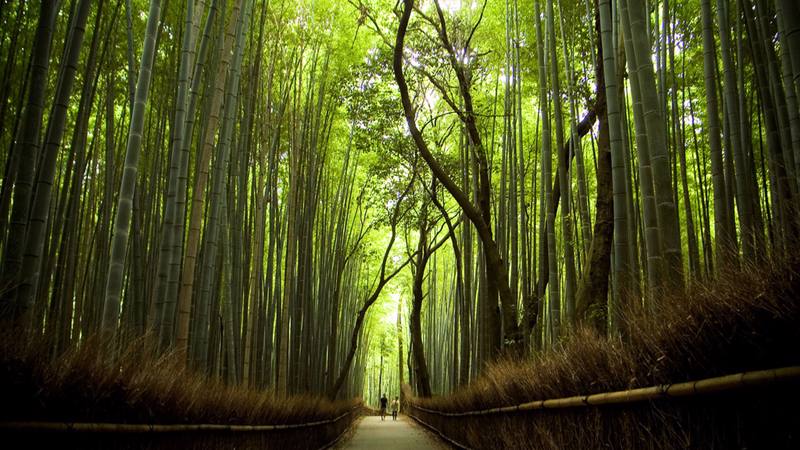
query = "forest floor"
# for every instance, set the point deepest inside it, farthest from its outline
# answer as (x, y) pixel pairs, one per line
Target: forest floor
(372, 433)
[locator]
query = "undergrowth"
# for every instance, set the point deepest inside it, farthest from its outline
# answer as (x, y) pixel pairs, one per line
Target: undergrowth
(82, 385)
(746, 320)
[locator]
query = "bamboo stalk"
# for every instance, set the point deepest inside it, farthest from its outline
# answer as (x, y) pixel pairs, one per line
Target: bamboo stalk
(154, 428)
(685, 389)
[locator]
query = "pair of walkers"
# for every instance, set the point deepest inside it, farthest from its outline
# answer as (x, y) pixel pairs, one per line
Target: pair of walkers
(395, 407)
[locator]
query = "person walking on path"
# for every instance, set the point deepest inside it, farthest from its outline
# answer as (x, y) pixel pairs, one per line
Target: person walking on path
(384, 402)
(395, 407)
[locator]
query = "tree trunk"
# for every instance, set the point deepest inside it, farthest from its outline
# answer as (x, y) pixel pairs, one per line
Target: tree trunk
(610, 219)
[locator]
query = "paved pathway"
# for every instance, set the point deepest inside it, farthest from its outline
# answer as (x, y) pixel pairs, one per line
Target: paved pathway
(372, 434)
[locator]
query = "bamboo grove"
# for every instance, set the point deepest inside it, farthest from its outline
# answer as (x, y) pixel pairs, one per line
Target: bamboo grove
(335, 197)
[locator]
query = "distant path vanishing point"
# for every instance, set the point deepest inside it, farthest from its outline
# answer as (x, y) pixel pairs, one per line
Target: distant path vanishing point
(372, 434)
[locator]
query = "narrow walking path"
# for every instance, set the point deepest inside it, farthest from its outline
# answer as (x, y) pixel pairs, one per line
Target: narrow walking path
(373, 434)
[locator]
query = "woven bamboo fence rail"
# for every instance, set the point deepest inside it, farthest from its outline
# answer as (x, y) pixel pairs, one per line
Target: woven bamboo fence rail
(155, 428)
(685, 389)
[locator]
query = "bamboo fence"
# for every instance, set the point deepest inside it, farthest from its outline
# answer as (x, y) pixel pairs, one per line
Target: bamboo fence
(685, 389)
(155, 428)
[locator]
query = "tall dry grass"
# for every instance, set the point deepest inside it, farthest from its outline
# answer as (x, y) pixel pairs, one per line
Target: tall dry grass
(81, 385)
(747, 320)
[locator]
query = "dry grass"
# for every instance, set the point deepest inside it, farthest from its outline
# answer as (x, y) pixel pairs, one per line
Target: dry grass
(80, 386)
(747, 320)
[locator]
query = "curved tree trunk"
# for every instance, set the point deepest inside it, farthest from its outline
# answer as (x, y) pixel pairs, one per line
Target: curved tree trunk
(422, 377)
(610, 221)
(496, 269)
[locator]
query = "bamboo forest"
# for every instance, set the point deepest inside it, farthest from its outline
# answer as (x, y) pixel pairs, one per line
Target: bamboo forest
(391, 224)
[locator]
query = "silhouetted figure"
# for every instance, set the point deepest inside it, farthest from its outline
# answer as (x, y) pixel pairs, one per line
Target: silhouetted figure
(384, 403)
(395, 407)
